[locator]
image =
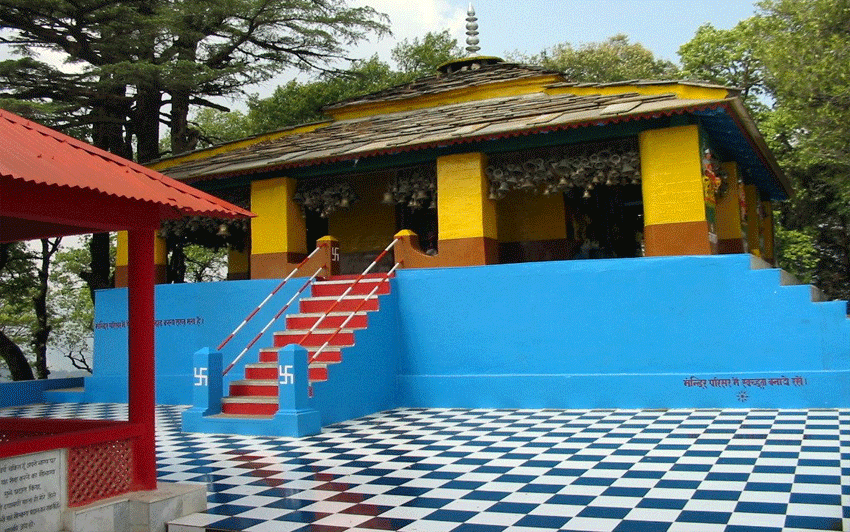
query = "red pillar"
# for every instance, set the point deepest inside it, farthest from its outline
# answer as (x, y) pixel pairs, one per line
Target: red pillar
(142, 373)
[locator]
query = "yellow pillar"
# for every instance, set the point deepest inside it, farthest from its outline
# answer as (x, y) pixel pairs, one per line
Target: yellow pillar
(751, 195)
(767, 250)
(278, 233)
(673, 198)
(122, 259)
(730, 239)
(468, 231)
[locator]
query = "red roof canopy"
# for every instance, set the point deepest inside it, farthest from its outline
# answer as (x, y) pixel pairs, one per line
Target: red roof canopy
(55, 185)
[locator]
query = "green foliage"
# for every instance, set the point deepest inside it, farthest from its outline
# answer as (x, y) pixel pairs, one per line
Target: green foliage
(299, 103)
(205, 265)
(128, 59)
(213, 127)
(71, 309)
(725, 57)
(805, 46)
(422, 57)
(18, 286)
(615, 59)
(795, 252)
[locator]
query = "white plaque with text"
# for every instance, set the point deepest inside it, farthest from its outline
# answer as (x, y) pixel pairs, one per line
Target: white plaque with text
(30, 491)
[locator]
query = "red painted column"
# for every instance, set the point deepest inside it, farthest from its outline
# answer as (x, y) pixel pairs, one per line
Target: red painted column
(142, 372)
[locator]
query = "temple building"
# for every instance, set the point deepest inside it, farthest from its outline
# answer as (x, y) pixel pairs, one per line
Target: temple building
(494, 162)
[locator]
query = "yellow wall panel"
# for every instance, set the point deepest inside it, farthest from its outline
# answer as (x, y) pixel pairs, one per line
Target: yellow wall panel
(279, 226)
(671, 174)
(729, 206)
(688, 92)
(751, 194)
(368, 225)
(463, 206)
(122, 254)
(524, 217)
(238, 261)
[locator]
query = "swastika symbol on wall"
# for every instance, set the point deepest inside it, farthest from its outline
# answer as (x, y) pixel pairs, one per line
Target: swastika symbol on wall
(335, 254)
(201, 376)
(285, 376)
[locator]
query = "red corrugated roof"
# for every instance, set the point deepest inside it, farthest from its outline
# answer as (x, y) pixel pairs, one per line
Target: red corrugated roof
(32, 153)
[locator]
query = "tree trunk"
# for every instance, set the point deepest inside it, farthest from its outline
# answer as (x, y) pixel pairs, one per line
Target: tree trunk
(182, 139)
(99, 274)
(42, 331)
(175, 270)
(15, 359)
(146, 122)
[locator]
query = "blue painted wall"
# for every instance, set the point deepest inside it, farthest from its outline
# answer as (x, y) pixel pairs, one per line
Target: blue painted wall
(649, 332)
(191, 316)
(618, 333)
(365, 381)
(29, 392)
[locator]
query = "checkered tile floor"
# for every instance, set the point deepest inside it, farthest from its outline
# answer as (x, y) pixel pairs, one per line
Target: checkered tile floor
(459, 470)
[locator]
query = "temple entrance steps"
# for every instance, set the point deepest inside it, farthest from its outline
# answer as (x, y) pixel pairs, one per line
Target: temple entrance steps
(257, 393)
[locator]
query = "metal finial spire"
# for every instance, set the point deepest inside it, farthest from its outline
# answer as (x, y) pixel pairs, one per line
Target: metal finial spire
(471, 32)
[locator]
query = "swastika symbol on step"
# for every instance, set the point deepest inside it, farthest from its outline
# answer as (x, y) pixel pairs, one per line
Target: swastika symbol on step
(201, 376)
(285, 376)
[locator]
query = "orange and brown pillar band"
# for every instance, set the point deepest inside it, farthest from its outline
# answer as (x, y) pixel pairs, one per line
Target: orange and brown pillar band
(468, 229)
(122, 259)
(673, 195)
(278, 233)
(754, 219)
(730, 237)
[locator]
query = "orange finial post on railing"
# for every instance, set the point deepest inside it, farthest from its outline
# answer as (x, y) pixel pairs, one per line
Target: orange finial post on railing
(348, 291)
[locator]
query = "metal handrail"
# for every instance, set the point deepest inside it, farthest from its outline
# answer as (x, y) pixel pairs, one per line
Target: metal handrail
(354, 312)
(273, 292)
(274, 319)
(347, 291)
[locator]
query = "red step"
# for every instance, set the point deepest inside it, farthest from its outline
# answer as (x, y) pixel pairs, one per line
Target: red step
(254, 387)
(309, 305)
(262, 371)
(317, 373)
(354, 276)
(317, 338)
(250, 406)
(330, 321)
(257, 393)
(268, 356)
(337, 288)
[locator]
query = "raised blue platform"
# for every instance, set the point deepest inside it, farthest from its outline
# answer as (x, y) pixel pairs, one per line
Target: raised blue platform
(627, 333)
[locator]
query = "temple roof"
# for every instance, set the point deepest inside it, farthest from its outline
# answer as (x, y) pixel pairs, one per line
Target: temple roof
(485, 101)
(475, 76)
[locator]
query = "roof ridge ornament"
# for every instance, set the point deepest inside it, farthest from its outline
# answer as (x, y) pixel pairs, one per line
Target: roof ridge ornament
(471, 32)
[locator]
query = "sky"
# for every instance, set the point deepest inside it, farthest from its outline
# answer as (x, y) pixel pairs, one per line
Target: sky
(531, 25)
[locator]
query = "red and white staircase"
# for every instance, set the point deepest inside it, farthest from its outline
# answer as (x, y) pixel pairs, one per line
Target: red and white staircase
(257, 393)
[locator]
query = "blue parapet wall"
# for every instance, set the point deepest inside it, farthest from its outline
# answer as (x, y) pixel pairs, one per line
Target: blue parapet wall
(650, 333)
(29, 392)
(189, 317)
(619, 333)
